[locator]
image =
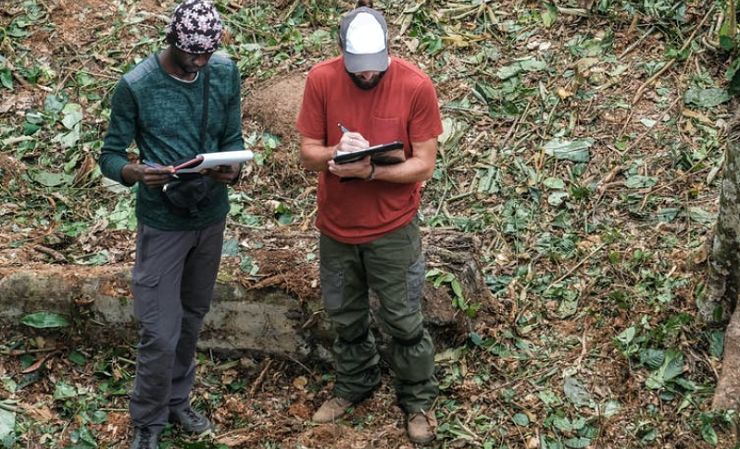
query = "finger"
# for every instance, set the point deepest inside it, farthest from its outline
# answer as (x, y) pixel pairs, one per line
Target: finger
(159, 171)
(156, 180)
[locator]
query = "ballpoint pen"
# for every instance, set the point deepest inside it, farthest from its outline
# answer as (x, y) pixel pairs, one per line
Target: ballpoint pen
(342, 128)
(155, 165)
(151, 164)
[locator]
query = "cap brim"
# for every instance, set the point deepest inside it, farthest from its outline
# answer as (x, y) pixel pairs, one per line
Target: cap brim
(376, 62)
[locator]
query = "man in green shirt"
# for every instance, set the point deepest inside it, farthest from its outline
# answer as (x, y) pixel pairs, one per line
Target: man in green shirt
(160, 105)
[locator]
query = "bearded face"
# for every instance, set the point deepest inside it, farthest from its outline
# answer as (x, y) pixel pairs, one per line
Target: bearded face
(366, 80)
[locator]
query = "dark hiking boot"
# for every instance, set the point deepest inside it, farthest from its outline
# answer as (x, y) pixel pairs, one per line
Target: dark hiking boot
(145, 438)
(331, 410)
(421, 426)
(190, 421)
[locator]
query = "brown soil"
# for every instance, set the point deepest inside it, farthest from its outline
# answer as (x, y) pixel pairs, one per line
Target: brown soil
(18, 103)
(70, 14)
(10, 168)
(276, 105)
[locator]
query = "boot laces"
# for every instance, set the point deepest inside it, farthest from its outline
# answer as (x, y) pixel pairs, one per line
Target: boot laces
(191, 414)
(144, 437)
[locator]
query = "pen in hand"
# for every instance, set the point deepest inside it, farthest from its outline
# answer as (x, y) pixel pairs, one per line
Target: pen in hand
(350, 142)
(157, 166)
(151, 164)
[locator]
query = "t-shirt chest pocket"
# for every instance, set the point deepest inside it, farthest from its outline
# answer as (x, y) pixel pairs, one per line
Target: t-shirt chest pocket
(385, 130)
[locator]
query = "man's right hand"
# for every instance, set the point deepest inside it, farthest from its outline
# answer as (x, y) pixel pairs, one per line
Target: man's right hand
(150, 176)
(351, 142)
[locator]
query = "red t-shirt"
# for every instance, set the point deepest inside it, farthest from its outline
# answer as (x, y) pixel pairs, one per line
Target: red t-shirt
(403, 106)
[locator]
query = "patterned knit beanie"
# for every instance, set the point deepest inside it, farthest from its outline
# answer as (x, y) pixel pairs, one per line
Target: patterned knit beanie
(195, 27)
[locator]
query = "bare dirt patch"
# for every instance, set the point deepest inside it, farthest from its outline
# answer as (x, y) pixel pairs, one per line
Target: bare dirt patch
(71, 14)
(10, 167)
(276, 105)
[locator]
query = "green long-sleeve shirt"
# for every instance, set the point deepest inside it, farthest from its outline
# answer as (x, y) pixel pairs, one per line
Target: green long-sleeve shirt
(163, 115)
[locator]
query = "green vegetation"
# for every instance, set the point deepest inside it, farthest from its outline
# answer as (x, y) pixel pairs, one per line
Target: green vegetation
(581, 145)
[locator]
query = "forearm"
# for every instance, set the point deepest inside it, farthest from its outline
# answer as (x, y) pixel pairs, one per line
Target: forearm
(112, 164)
(412, 170)
(315, 157)
(417, 168)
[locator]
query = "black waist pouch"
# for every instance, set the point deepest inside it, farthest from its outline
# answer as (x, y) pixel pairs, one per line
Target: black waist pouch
(188, 194)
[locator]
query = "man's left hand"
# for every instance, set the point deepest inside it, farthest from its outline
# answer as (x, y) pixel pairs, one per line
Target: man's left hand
(359, 169)
(223, 173)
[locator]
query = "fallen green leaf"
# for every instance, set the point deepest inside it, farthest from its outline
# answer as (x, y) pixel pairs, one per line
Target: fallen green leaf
(571, 150)
(706, 98)
(557, 198)
(6, 79)
(709, 434)
(576, 392)
(72, 115)
(44, 320)
(716, 343)
(63, 391)
(577, 443)
(626, 336)
(554, 183)
(7, 428)
(549, 15)
(701, 216)
(639, 181)
(49, 179)
(671, 368)
(610, 408)
(521, 419)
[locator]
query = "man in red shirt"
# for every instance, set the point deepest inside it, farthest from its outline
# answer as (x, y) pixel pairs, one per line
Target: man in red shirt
(367, 214)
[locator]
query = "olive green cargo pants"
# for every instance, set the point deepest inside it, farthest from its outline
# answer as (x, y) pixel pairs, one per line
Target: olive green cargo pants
(393, 267)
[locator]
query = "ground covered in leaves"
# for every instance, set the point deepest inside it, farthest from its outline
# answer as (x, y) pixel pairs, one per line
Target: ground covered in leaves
(582, 146)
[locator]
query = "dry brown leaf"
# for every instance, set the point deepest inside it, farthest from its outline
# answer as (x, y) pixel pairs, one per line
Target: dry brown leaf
(300, 382)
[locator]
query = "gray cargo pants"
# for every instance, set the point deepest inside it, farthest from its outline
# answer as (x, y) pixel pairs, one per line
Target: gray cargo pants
(393, 267)
(173, 281)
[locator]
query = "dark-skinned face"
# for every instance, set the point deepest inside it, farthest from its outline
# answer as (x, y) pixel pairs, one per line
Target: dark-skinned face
(189, 63)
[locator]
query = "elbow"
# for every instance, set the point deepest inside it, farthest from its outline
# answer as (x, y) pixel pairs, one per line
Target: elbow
(427, 174)
(304, 161)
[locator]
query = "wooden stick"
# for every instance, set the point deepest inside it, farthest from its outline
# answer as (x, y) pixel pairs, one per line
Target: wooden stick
(629, 49)
(512, 130)
(668, 64)
(260, 378)
(57, 256)
(19, 352)
(649, 130)
(578, 265)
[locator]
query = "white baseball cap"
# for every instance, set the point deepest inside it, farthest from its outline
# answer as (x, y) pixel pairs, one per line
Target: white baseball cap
(363, 35)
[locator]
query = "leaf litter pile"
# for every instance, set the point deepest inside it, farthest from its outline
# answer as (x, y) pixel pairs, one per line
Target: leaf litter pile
(582, 146)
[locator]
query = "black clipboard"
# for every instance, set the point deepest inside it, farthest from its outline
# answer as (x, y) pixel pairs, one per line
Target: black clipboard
(377, 149)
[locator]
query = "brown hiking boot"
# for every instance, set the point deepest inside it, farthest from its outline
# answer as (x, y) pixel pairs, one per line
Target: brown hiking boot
(421, 426)
(331, 410)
